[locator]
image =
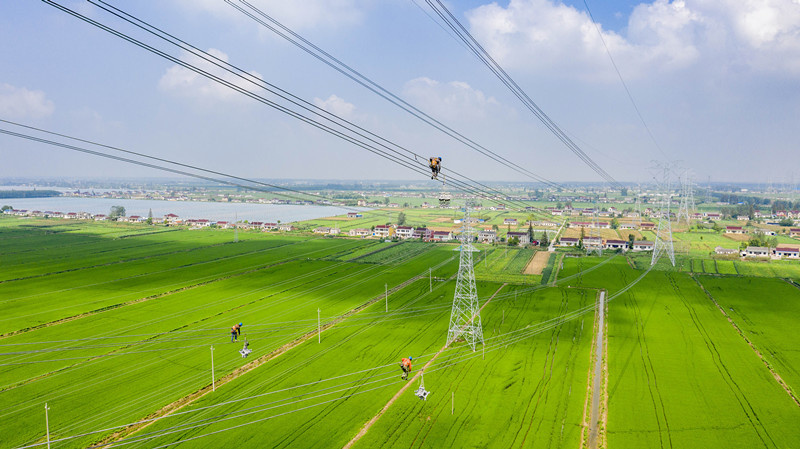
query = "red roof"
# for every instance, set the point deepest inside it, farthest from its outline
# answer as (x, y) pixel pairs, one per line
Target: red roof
(793, 250)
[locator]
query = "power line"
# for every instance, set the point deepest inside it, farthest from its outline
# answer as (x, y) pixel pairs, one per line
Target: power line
(465, 36)
(335, 125)
(624, 84)
(346, 70)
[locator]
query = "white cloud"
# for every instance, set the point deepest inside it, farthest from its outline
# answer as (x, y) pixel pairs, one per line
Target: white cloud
(546, 36)
(19, 102)
(455, 100)
(183, 82)
(298, 15)
(338, 106)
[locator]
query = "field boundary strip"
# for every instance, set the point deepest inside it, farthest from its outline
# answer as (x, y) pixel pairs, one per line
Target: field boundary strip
(775, 374)
(365, 428)
(188, 399)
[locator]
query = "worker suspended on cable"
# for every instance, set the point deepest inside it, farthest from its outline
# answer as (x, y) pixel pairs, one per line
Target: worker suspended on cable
(436, 165)
(405, 365)
(236, 330)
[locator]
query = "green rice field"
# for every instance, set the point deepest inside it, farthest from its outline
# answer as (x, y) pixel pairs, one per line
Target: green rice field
(111, 324)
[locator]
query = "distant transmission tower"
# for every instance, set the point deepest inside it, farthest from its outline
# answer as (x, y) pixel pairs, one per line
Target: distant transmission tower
(663, 243)
(465, 318)
(687, 198)
(639, 200)
(594, 232)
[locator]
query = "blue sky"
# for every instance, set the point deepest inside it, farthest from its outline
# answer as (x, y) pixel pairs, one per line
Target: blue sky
(718, 83)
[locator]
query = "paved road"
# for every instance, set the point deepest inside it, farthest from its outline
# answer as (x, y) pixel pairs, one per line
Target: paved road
(598, 371)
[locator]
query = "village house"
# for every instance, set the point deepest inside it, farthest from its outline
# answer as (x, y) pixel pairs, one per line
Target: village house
(628, 225)
(726, 251)
(487, 236)
(592, 242)
(510, 221)
(568, 241)
(521, 236)
(616, 244)
(742, 217)
(647, 226)
(384, 231)
(765, 231)
(714, 216)
(322, 230)
(734, 230)
(756, 251)
(404, 232)
(441, 236)
(286, 227)
(794, 232)
(360, 232)
(789, 253)
(100, 217)
(422, 233)
(354, 215)
(269, 226)
(642, 245)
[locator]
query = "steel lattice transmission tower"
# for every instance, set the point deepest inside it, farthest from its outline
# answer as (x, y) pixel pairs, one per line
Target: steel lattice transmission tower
(663, 243)
(465, 317)
(687, 198)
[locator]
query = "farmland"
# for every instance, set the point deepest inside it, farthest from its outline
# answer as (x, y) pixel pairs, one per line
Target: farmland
(109, 324)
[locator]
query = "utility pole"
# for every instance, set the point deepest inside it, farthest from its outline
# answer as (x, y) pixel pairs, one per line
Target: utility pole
(213, 378)
(319, 328)
(47, 424)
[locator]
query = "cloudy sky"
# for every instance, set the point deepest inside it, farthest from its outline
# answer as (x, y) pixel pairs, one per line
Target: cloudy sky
(716, 81)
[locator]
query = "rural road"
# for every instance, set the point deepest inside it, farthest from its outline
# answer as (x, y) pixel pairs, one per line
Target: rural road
(598, 370)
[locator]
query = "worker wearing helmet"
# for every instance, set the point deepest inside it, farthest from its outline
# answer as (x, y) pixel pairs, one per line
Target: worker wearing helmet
(436, 164)
(236, 330)
(405, 365)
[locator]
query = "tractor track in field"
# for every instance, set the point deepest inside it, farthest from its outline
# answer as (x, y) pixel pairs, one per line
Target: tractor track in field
(187, 400)
(115, 306)
(135, 276)
(649, 371)
(733, 386)
(116, 262)
(755, 349)
(365, 428)
(547, 374)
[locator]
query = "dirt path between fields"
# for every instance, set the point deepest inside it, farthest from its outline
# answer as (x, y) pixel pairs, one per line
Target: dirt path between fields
(405, 387)
(537, 263)
(187, 400)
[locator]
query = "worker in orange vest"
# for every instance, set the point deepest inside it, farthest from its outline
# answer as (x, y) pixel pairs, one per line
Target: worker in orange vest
(405, 365)
(435, 163)
(236, 330)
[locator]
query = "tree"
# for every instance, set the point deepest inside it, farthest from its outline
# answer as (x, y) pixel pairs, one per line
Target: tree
(784, 222)
(4, 208)
(513, 241)
(544, 241)
(624, 191)
(495, 228)
(530, 233)
(401, 219)
(614, 223)
(116, 212)
(386, 200)
(631, 238)
(150, 217)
